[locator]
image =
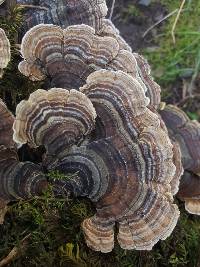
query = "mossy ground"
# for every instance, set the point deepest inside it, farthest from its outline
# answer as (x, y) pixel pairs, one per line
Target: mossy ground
(56, 239)
(53, 226)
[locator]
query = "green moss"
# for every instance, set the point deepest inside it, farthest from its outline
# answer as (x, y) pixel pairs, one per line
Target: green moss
(12, 22)
(193, 115)
(60, 176)
(169, 60)
(14, 86)
(56, 238)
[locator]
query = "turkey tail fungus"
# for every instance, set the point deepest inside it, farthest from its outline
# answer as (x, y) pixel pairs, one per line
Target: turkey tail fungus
(187, 133)
(67, 57)
(4, 51)
(6, 123)
(55, 118)
(109, 29)
(99, 121)
(127, 171)
(189, 191)
(144, 70)
(64, 13)
(143, 205)
(18, 180)
(6, 118)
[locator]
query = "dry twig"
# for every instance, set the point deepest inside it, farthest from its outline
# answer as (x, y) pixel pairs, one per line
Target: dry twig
(176, 20)
(182, 102)
(3, 210)
(158, 22)
(15, 252)
(112, 9)
(33, 6)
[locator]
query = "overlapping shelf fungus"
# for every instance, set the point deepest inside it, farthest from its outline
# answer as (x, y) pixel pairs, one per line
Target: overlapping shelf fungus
(4, 51)
(67, 56)
(187, 133)
(18, 180)
(64, 13)
(100, 121)
(126, 169)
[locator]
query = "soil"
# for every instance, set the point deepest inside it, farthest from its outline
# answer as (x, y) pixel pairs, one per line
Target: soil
(133, 27)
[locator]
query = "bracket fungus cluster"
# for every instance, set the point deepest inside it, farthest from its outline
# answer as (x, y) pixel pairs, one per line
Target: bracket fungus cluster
(4, 51)
(64, 13)
(187, 134)
(100, 121)
(128, 165)
(18, 180)
(127, 171)
(67, 56)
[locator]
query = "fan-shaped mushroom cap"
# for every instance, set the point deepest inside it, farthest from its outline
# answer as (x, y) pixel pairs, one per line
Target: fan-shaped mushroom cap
(6, 124)
(127, 171)
(6, 132)
(64, 13)
(68, 56)
(55, 118)
(109, 29)
(32, 70)
(4, 51)
(179, 168)
(17, 179)
(153, 89)
(189, 191)
(186, 133)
